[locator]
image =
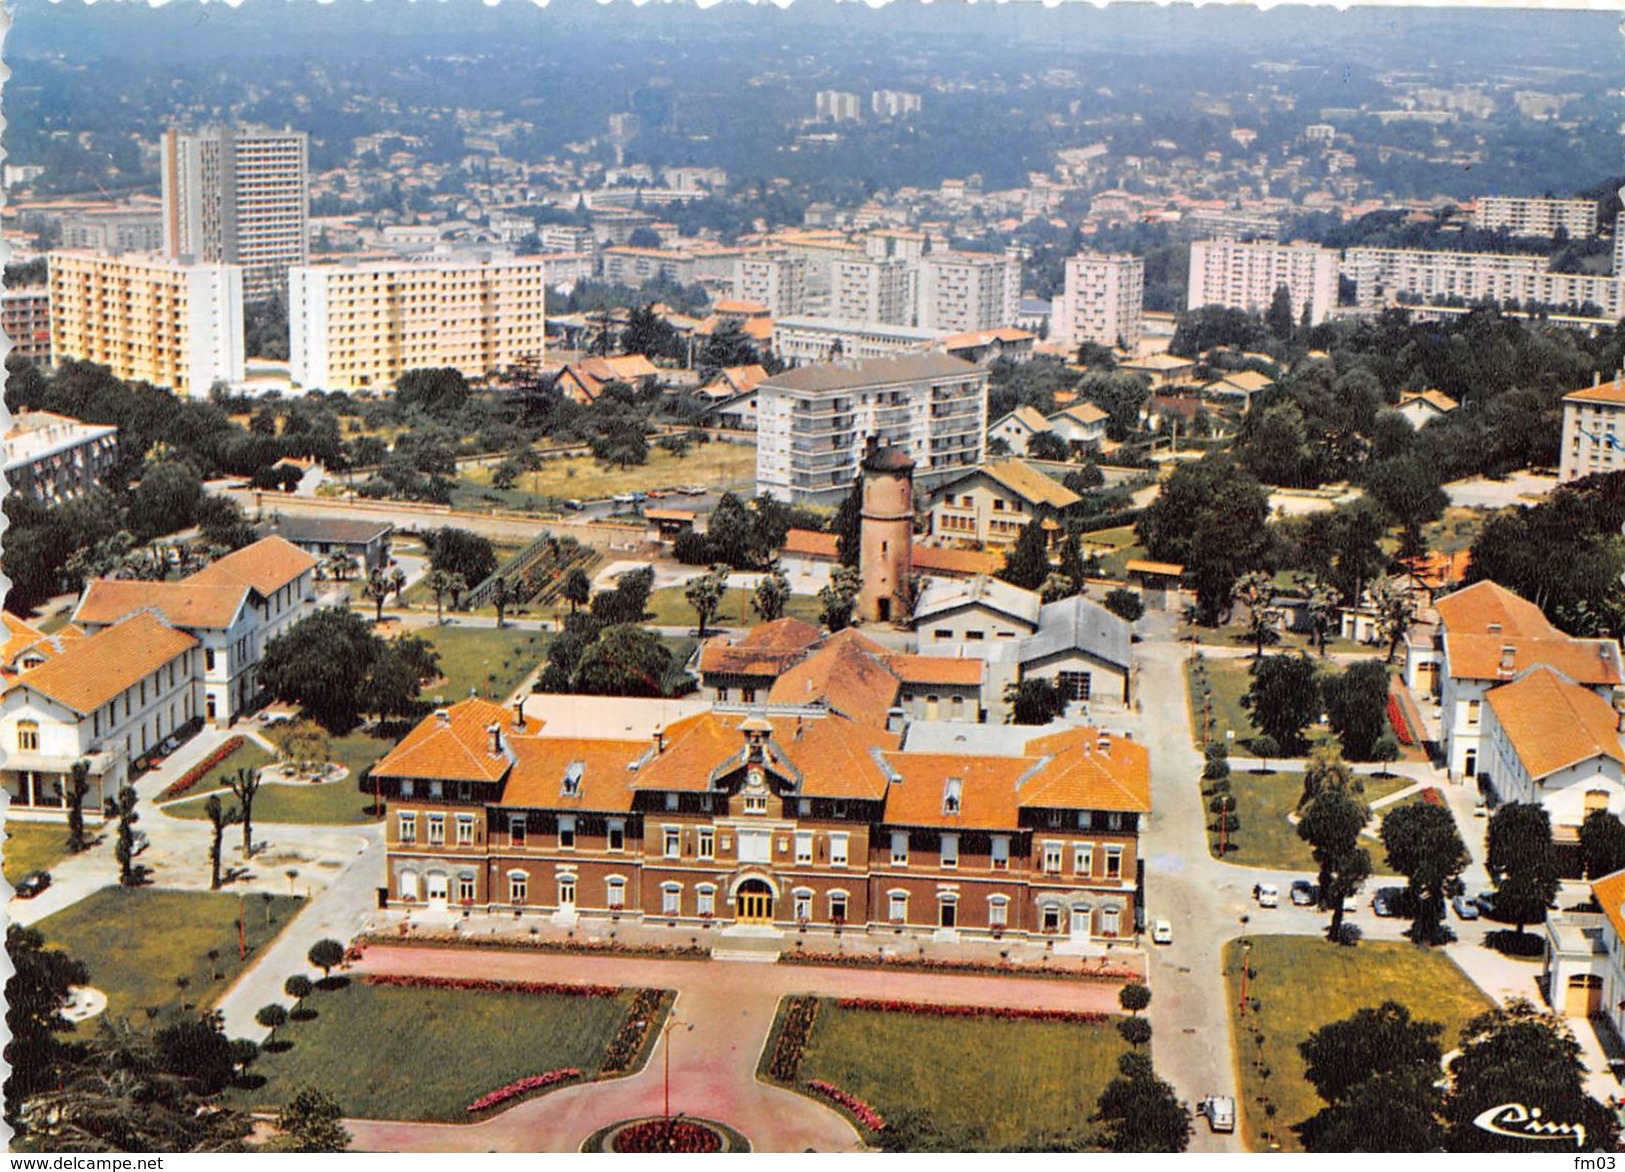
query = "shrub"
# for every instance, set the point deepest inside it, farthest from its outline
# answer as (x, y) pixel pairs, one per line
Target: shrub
(924, 1009)
(523, 1086)
(271, 1016)
(866, 1115)
(630, 1039)
(1396, 717)
(188, 780)
(800, 1014)
(483, 985)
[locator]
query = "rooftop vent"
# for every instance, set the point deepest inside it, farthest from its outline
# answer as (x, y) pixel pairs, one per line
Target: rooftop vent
(572, 778)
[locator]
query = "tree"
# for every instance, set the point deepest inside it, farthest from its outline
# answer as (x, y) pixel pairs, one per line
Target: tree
(1256, 591)
(576, 588)
(443, 585)
(628, 601)
(1072, 567)
(312, 1121)
(1356, 703)
(1320, 609)
(1602, 844)
(1211, 518)
(245, 787)
(320, 663)
(1136, 1031)
(1518, 1054)
(501, 593)
(1395, 614)
(771, 595)
(839, 598)
(440, 392)
(219, 818)
(1143, 1114)
(74, 794)
(1027, 563)
(122, 808)
(1046, 445)
(377, 588)
(1266, 748)
(39, 987)
(1326, 771)
(1331, 825)
(397, 582)
(197, 1048)
(326, 955)
(1395, 1111)
(1033, 701)
(1278, 318)
(1408, 488)
(457, 551)
(340, 565)
(649, 334)
(1134, 997)
(1340, 1056)
(847, 525)
(166, 500)
(1422, 844)
(298, 987)
(273, 1017)
(625, 660)
(705, 594)
(1284, 698)
(301, 743)
(1125, 603)
(1522, 862)
(1385, 752)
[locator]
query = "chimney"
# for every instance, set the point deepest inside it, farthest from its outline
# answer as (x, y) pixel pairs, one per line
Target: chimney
(895, 720)
(1104, 744)
(1493, 628)
(443, 716)
(660, 740)
(519, 714)
(495, 732)
(1619, 710)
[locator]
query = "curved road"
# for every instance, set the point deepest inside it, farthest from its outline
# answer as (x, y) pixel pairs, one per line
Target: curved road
(713, 1068)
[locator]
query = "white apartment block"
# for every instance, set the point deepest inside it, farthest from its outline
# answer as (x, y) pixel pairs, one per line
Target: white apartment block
(802, 341)
(54, 458)
(241, 196)
(1524, 216)
(893, 103)
(877, 292)
(965, 291)
(625, 265)
(815, 423)
(837, 106)
(1593, 431)
(122, 230)
(775, 281)
(362, 326)
(149, 318)
(1103, 301)
(1245, 275)
(1383, 275)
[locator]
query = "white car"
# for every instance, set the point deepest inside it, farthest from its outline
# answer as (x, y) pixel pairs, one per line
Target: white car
(1268, 895)
(1162, 932)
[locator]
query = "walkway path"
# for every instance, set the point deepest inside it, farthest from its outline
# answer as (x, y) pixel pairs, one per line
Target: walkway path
(713, 1068)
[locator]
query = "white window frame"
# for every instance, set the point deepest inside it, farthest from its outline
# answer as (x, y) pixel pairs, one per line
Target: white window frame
(671, 899)
(845, 899)
(567, 832)
(1083, 859)
(804, 848)
(465, 830)
(899, 848)
(1114, 862)
(671, 842)
(707, 839)
(615, 891)
(1053, 856)
(437, 830)
(897, 907)
(998, 911)
(839, 848)
(616, 840)
(407, 827)
(518, 887)
(1001, 852)
(801, 902)
(950, 852)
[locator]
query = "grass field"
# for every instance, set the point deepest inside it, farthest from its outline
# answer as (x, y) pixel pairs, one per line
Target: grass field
(425, 1054)
(1236, 636)
(1303, 983)
(137, 941)
(1266, 838)
(986, 1084)
(1229, 679)
(668, 608)
(1455, 531)
(1122, 541)
(34, 846)
(715, 465)
(482, 658)
(250, 756)
(339, 803)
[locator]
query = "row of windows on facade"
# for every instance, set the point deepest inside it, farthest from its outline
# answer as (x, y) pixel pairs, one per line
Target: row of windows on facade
(705, 843)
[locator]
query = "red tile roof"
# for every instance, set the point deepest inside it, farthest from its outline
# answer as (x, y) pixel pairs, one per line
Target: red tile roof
(267, 565)
(94, 669)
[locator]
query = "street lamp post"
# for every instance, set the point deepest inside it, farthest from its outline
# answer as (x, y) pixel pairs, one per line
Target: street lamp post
(671, 1025)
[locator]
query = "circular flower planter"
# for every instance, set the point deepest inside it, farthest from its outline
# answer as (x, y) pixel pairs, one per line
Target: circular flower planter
(682, 1133)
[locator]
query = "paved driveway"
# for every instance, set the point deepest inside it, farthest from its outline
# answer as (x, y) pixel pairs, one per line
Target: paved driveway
(713, 1068)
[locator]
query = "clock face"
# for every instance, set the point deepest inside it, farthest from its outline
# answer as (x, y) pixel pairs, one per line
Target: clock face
(754, 780)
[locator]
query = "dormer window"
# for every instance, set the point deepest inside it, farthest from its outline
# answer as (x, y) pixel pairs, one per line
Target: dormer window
(572, 779)
(951, 795)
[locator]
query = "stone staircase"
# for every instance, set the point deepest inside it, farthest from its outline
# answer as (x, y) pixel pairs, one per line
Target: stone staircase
(757, 944)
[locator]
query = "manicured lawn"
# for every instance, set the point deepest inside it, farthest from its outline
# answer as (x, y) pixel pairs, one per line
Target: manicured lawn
(715, 465)
(1235, 636)
(425, 1054)
(1456, 530)
(53, 624)
(250, 756)
(1120, 537)
(137, 941)
(34, 846)
(1303, 983)
(668, 608)
(338, 803)
(1266, 838)
(486, 659)
(1011, 1081)
(1229, 679)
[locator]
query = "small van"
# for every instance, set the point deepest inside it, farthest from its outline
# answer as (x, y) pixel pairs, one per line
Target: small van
(1268, 895)
(1220, 1111)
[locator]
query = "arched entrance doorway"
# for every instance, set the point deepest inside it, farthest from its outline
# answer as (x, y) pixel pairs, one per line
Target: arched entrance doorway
(753, 902)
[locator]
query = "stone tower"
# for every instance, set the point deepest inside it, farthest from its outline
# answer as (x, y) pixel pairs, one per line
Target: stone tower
(886, 543)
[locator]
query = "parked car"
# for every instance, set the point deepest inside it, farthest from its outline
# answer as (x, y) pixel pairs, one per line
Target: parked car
(32, 884)
(1466, 908)
(1351, 903)
(1162, 932)
(138, 842)
(1304, 893)
(1267, 894)
(1485, 902)
(1384, 903)
(1219, 1111)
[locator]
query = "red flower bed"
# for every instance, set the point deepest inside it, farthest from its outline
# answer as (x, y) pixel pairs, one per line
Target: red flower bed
(659, 1135)
(861, 1111)
(476, 985)
(799, 1015)
(1432, 796)
(924, 1009)
(523, 1086)
(1396, 717)
(854, 961)
(631, 1039)
(192, 776)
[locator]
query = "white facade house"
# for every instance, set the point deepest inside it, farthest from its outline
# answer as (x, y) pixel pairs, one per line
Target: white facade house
(107, 698)
(971, 618)
(1593, 431)
(1081, 426)
(1246, 274)
(1018, 428)
(1534, 216)
(964, 291)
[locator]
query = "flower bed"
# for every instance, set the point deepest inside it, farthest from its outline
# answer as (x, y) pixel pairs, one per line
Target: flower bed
(1432, 796)
(480, 985)
(188, 780)
(535, 944)
(925, 1009)
(800, 1014)
(1396, 717)
(866, 1115)
(674, 1135)
(979, 968)
(636, 1032)
(523, 1086)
